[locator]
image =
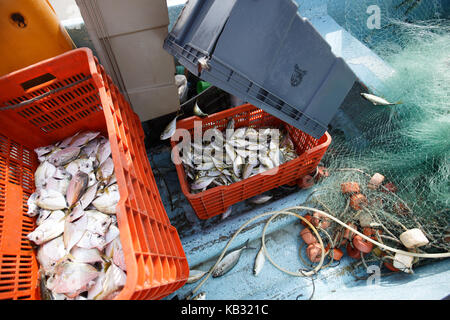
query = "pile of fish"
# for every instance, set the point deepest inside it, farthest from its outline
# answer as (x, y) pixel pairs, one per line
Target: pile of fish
(227, 157)
(79, 248)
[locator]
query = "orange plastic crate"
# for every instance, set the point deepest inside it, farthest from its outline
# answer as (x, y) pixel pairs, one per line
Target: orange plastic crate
(216, 200)
(155, 259)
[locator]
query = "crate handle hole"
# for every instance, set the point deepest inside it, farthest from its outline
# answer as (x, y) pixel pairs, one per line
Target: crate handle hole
(38, 81)
(18, 19)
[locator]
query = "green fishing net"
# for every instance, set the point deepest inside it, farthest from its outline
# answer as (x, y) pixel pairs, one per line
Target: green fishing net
(408, 143)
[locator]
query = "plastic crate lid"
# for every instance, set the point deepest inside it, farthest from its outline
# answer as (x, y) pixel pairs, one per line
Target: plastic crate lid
(264, 53)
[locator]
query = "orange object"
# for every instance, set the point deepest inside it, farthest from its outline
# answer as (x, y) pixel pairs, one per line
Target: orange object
(350, 187)
(306, 182)
(30, 32)
(154, 257)
(308, 236)
(358, 201)
(337, 253)
(314, 252)
(353, 252)
(322, 172)
(390, 266)
(215, 201)
(376, 180)
(390, 188)
(349, 234)
(362, 244)
(319, 220)
(307, 217)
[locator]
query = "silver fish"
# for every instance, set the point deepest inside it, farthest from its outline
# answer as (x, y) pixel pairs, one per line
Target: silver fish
(64, 156)
(91, 240)
(107, 200)
(195, 275)
(86, 255)
(260, 199)
(115, 279)
(92, 179)
(229, 261)
(44, 150)
(83, 165)
(227, 213)
(103, 151)
(198, 112)
(230, 129)
(50, 229)
(82, 139)
(73, 277)
(200, 296)
(33, 209)
(59, 185)
(50, 253)
(76, 212)
(74, 231)
(97, 222)
(237, 166)
(118, 256)
(76, 188)
(43, 215)
(45, 171)
(113, 233)
(51, 200)
(202, 183)
(61, 173)
(89, 196)
(378, 101)
(259, 261)
(248, 169)
(169, 130)
(90, 150)
(105, 170)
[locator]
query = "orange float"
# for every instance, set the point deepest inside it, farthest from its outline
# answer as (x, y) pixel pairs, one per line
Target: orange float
(362, 244)
(306, 182)
(350, 187)
(353, 252)
(307, 236)
(314, 252)
(358, 201)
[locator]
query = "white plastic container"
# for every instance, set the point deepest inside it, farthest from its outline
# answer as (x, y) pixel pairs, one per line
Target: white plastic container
(128, 37)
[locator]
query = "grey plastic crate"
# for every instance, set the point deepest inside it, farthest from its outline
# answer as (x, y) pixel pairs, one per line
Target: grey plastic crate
(265, 53)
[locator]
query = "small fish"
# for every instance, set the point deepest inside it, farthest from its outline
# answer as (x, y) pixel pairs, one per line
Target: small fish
(41, 151)
(89, 196)
(51, 200)
(200, 296)
(377, 100)
(74, 231)
(76, 188)
(50, 253)
(90, 150)
(64, 156)
(33, 209)
(97, 222)
(76, 212)
(92, 179)
(108, 199)
(230, 129)
(227, 213)
(45, 171)
(83, 255)
(115, 279)
(195, 275)
(248, 169)
(73, 277)
(83, 165)
(83, 139)
(105, 170)
(45, 293)
(170, 129)
(259, 261)
(260, 199)
(50, 229)
(113, 233)
(238, 162)
(114, 251)
(198, 112)
(91, 240)
(59, 185)
(229, 261)
(61, 173)
(43, 215)
(202, 183)
(103, 152)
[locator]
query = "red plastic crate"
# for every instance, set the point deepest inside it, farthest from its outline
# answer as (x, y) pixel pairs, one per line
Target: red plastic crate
(216, 200)
(155, 259)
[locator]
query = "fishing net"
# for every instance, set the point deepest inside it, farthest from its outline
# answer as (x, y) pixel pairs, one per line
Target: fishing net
(409, 143)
